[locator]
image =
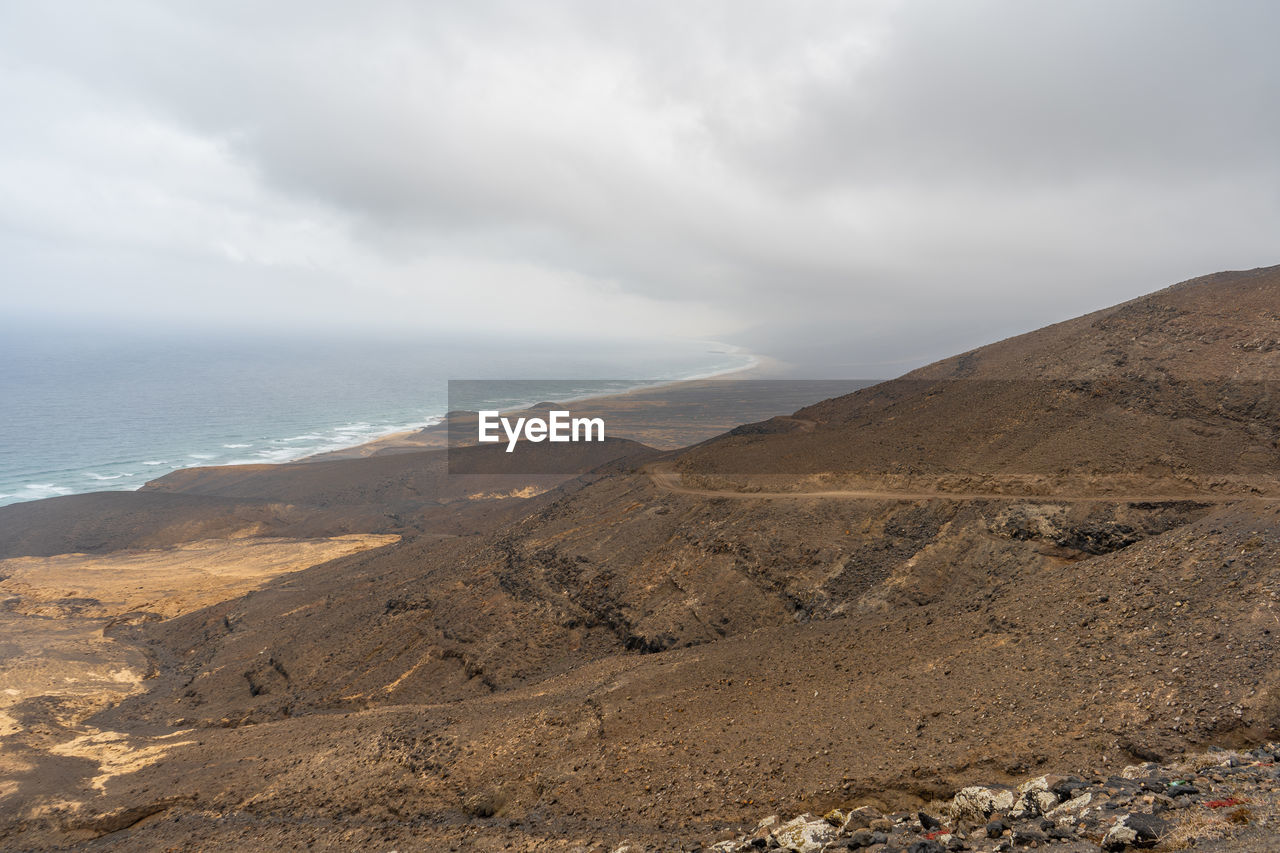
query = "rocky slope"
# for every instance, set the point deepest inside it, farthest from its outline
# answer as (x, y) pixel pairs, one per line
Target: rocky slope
(1218, 800)
(614, 661)
(1173, 390)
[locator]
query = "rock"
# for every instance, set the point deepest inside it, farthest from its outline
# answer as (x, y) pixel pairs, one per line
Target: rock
(1067, 786)
(860, 818)
(769, 822)
(1071, 808)
(764, 829)
(805, 834)
(862, 838)
(1150, 829)
(1044, 800)
(996, 827)
(1119, 836)
(1039, 783)
(1025, 837)
(926, 845)
(1134, 830)
(977, 803)
(1139, 771)
(1040, 794)
(1033, 803)
(484, 804)
(836, 817)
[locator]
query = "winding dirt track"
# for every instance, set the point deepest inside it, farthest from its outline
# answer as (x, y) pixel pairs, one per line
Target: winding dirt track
(667, 479)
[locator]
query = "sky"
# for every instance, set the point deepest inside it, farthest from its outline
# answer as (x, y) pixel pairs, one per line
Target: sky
(862, 186)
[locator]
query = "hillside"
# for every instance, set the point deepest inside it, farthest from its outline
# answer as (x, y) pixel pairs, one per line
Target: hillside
(1068, 562)
(1176, 390)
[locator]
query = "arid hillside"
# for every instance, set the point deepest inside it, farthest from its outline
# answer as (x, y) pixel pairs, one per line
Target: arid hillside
(1058, 553)
(1176, 391)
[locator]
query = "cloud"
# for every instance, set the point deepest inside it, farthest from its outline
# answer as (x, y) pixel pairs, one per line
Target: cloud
(894, 178)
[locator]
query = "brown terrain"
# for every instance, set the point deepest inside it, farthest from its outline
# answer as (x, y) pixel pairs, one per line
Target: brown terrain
(1057, 553)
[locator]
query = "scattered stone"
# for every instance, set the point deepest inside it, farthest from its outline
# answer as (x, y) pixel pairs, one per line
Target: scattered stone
(1133, 810)
(864, 838)
(976, 803)
(1071, 807)
(1134, 830)
(805, 834)
(926, 845)
(860, 818)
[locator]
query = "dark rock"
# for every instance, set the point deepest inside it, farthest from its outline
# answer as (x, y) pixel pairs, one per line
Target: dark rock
(1149, 828)
(1134, 830)
(926, 845)
(861, 838)
(1025, 836)
(1066, 787)
(861, 818)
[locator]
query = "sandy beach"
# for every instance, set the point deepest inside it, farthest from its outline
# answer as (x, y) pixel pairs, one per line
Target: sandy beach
(664, 416)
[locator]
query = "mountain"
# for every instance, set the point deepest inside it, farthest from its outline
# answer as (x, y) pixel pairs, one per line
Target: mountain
(1059, 552)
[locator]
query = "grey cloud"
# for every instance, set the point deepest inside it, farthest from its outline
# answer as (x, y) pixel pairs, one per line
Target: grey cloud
(1048, 94)
(899, 178)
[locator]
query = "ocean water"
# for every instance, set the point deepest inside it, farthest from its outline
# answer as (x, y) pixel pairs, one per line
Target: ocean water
(83, 412)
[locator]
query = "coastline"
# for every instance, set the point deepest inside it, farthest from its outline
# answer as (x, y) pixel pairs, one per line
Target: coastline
(434, 436)
(360, 436)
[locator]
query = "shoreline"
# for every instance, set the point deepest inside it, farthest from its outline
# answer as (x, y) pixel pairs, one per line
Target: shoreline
(43, 486)
(666, 415)
(410, 440)
(403, 440)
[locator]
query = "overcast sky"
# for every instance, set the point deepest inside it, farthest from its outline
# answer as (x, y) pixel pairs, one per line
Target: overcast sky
(888, 181)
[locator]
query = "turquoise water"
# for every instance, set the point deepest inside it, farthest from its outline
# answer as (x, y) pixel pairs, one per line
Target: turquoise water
(84, 412)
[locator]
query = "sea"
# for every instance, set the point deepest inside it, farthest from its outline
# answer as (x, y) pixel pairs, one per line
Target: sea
(82, 410)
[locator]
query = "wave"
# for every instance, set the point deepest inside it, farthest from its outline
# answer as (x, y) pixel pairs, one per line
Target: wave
(284, 436)
(47, 489)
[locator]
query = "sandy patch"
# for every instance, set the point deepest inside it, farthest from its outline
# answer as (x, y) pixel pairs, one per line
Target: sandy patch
(165, 581)
(118, 753)
(57, 669)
